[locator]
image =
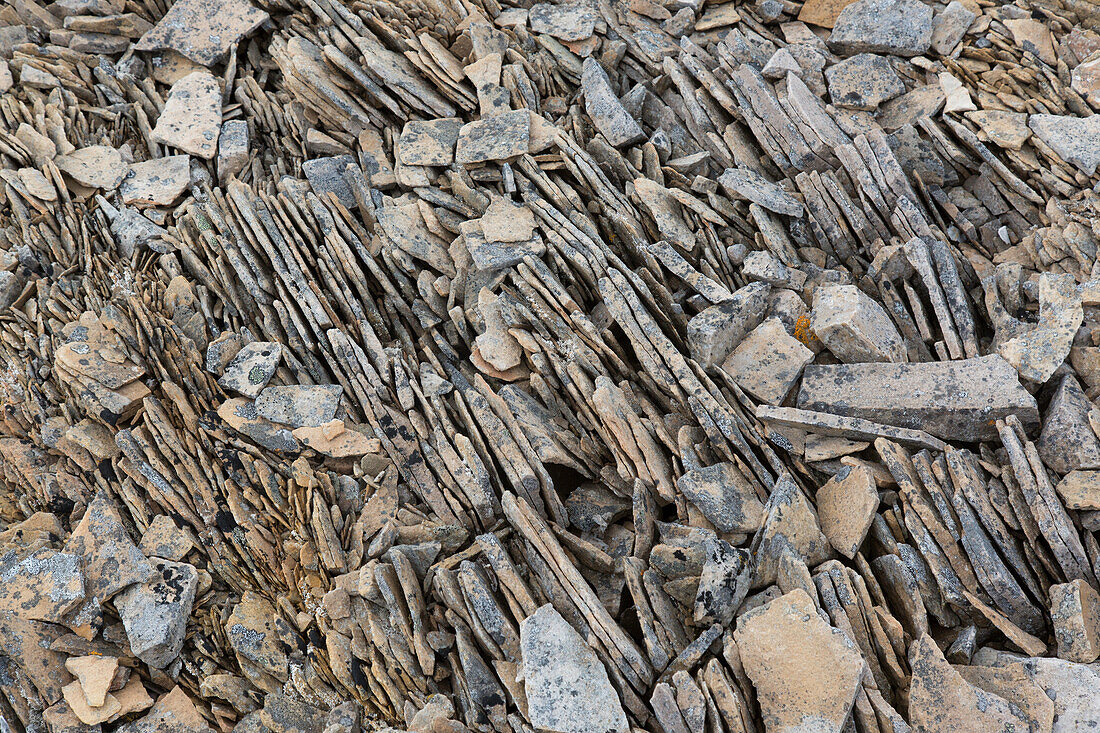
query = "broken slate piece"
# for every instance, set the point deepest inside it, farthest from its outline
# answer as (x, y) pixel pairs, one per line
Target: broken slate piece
(806, 672)
(1080, 490)
(863, 82)
(155, 612)
(1067, 442)
(603, 106)
(565, 21)
(232, 149)
(1003, 127)
(1075, 139)
(724, 582)
(299, 405)
(203, 30)
(949, 26)
(95, 674)
(955, 400)
(41, 587)
(326, 175)
(430, 142)
(499, 137)
(504, 221)
(192, 115)
(747, 184)
(165, 540)
(854, 327)
(157, 182)
(566, 684)
(240, 414)
(724, 496)
(898, 27)
(252, 368)
(109, 558)
(768, 362)
(846, 506)
(716, 331)
(1075, 612)
(98, 166)
(1037, 353)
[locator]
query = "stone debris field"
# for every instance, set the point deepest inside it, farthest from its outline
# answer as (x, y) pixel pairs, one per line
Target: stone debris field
(584, 366)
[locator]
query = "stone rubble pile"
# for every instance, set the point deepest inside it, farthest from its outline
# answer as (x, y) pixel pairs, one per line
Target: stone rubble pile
(440, 366)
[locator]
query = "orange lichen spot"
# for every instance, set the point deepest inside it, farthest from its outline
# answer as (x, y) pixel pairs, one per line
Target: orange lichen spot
(804, 333)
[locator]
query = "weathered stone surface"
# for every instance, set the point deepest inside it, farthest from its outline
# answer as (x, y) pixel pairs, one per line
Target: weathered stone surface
(1075, 139)
(98, 166)
(790, 525)
(745, 183)
(1034, 36)
(232, 149)
(109, 558)
(569, 22)
(603, 106)
(768, 362)
(94, 674)
(854, 327)
(846, 506)
(1075, 612)
(192, 116)
(958, 400)
(1003, 127)
(299, 405)
(158, 182)
(949, 25)
(502, 136)
(155, 612)
(863, 81)
(240, 414)
(326, 175)
(566, 685)
(717, 330)
(165, 540)
(430, 142)
(252, 368)
(899, 27)
(724, 496)
(44, 586)
(1080, 489)
(941, 700)
(1067, 441)
(806, 673)
(1037, 353)
(1070, 685)
(822, 12)
(203, 30)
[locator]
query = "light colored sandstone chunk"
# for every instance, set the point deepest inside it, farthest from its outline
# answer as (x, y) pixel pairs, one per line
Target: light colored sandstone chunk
(768, 362)
(854, 327)
(192, 116)
(1075, 611)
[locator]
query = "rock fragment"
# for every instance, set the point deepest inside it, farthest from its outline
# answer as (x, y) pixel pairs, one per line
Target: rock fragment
(203, 31)
(863, 81)
(192, 115)
(155, 612)
(603, 106)
(899, 27)
(252, 368)
(855, 328)
(1075, 612)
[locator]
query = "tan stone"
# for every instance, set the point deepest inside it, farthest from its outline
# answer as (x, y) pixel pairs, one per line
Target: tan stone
(846, 506)
(1075, 611)
(74, 696)
(1002, 127)
(97, 166)
(768, 362)
(94, 674)
(1033, 36)
(822, 12)
(192, 115)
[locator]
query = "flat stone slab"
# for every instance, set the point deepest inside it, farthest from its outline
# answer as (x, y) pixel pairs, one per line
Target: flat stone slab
(898, 27)
(192, 115)
(954, 400)
(203, 30)
(158, 182)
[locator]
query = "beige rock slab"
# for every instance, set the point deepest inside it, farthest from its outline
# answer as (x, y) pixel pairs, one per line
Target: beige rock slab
(1075, 611)
(192, 115)
(97, 166)
(74, 696)
(846, 506)
(158, 182)
(94, 674)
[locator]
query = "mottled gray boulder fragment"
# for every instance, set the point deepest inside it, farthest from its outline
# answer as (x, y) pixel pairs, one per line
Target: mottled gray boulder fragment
(863, 82)
(567, 687)
(1075, 139)
(745, 183)
(1067, 442)
(899, 27)
(603, 106)
(716, 331)
(203, 30)
(326, 175)
(252, 368)
(299, 405)
(724, 496)
(155, 612)
(499, 137)
(955, 400)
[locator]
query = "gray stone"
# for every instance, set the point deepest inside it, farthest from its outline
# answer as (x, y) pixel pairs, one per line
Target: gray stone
(1075, 139)
(854, 327)
(252, 368)
(1075, 613)
(949, 26)
(1038, 352)
(747, 184)
(567, 21)
(724, 496)
(326, 175)
(954, 400)
(899, 27)
(499, 137)
(723, 583)
(109, 558)
(155, 612)
(567, 687)
(299, 405)
(192, 116)
(1067, 442)
(203, 30)
(768, 362)
(864, 82)
(603, 106)
(429, 142)
(232, 149)
(715, 331)
(911, 107)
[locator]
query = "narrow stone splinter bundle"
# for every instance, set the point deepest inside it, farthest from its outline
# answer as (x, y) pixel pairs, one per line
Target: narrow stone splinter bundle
(582, 366)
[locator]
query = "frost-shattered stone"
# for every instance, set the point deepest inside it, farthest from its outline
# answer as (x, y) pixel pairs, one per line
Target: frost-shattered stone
(165, 540)
(950, 25)
(109, 558)
(566, 21)
(863, 81)
(1003, 127)
(97, 166)
(155, 612)
(203, 30)
(252, 368)
(1037, 353)
(1075, 612)
(846, 507)
(192, 116)
(1075, 139)
(954, 400)
(232, 149)
(499, 137)
(854, 327)
(1068, 442)
(768, 362)
(566, 685)
(1080, 490)
(724, 496)
(806, 673)
(745, 183)
(95, 674)
(603, 106)
(158, 182)
(898, 27)
(941, 700)
(326, 175)
(299, 405)
(430, 142)
(42, 587)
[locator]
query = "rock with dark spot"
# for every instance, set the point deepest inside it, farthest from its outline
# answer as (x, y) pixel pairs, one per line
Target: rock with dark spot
(155, 612)
(252, 368)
